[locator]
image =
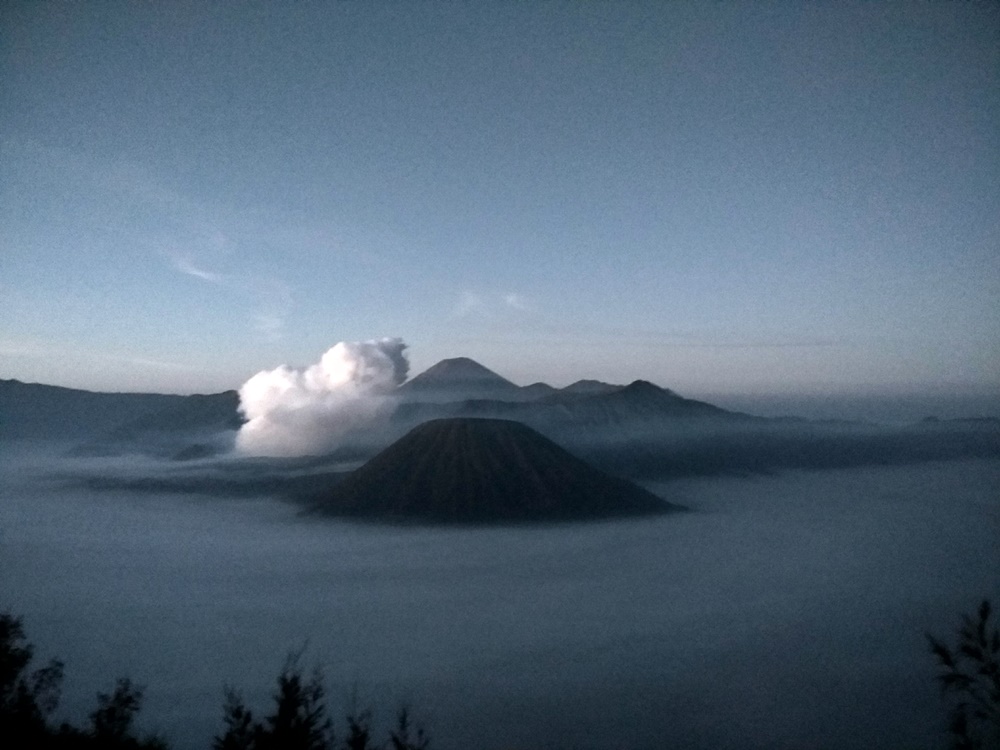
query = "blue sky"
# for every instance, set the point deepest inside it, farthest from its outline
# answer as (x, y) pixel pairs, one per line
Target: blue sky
(736, 197)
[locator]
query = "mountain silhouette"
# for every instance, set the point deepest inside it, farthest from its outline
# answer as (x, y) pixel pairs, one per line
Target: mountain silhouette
(640, 430)
(34, 410)
(483, 471)
(642, 401)
(198, 412)
(458, 379)
(566, 416)
(589, 388)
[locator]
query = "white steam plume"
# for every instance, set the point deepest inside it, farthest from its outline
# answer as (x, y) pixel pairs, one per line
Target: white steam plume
(298, 412)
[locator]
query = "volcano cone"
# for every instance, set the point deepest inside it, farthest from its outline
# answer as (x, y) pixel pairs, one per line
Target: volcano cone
(483, 471)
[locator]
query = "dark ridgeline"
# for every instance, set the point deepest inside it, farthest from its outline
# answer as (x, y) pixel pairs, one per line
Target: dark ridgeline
(33, 410)
(639, 402)
(639, 430)
(588, 388)
(584, 411)
(483, 471)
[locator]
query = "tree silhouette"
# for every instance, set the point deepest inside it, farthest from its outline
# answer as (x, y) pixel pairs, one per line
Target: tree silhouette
(970, 676)
(111, 721)
(299, 721)
(405, 736)
(359, 734)
(26, 698)
(241, 731)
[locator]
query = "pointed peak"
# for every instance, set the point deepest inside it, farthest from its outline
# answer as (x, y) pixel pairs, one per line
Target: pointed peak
(455, 380)
(460, 367)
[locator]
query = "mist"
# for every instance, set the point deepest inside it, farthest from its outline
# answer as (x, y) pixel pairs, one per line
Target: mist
(887, 407)
(167, 539)
(784, 611)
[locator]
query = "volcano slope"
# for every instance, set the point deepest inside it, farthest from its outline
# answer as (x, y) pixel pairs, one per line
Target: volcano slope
(478, 471)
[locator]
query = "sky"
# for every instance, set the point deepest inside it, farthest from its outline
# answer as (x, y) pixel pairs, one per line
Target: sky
(717, 197)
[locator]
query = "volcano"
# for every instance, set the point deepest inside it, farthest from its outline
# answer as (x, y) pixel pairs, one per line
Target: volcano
(458, 379)
(483, 471)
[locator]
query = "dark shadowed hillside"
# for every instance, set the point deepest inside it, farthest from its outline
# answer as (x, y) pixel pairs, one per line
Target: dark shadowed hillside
(189, 427)
(112, 423)
(480, 471)
(196, 413)
(32, 410)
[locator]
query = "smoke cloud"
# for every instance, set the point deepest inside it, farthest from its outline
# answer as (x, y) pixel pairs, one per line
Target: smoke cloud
(298, 412)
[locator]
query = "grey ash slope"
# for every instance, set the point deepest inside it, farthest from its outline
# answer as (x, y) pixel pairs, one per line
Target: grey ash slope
(483, 471)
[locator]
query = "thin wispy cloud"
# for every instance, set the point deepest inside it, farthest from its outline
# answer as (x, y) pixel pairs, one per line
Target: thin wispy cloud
(469, 304)
(693, 339)
(273, 297)
(41, 349)
(16, 348)
(516, 301)
(275, 303)
(157, 364)
(472, 304)
(776, 343)
(272, 326)
(187, 266)
(191, 236)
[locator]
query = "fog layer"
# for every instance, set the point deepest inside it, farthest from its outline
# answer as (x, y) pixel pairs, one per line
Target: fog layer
(784, 612)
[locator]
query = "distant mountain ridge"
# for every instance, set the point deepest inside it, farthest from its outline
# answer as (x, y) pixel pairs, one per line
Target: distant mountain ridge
(464, 379)
(592, 406)
(641, 400)
(589, 388)
(457, 387)
(639, 430)
(33, 410)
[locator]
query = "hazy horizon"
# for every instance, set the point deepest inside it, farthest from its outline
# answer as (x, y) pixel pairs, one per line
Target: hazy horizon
(876, 404)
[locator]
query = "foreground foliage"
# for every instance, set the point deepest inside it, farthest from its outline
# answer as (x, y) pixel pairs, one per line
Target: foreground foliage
(27, 699)
(970, 679)
(299, 720)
